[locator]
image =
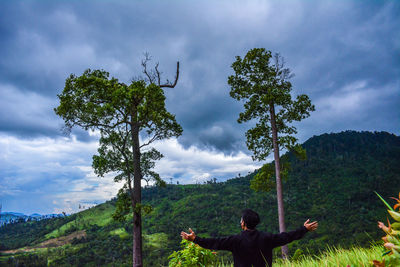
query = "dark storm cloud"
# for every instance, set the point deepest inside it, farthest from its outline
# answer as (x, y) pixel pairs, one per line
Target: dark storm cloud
(329, 45)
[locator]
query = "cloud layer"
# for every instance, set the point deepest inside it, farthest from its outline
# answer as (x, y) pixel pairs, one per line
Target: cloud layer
(55, 175)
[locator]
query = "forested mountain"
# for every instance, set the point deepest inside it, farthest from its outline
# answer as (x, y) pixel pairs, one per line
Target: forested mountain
(334, 185)
(11, 217)
(7, 217)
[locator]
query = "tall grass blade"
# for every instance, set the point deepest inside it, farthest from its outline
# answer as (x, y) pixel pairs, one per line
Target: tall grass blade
(384, 201)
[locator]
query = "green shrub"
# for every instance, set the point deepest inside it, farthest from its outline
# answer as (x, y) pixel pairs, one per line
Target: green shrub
(192, 255)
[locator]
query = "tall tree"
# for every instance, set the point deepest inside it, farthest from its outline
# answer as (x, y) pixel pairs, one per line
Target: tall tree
(124, 115)
(262, 82)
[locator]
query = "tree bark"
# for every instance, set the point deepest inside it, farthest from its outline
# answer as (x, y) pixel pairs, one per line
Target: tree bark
(137, 196)
(279, 190)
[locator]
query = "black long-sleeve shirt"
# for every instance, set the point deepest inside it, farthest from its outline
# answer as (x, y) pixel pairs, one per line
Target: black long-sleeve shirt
(251, 248)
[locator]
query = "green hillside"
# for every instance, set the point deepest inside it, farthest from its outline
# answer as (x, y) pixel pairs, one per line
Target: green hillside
(335, 186)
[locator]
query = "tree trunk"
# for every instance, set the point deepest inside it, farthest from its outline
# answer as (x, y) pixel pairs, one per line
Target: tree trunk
(279, 190)
(137, 197)
(131, 193)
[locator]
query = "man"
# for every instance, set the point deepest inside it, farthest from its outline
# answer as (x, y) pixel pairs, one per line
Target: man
(251, 248)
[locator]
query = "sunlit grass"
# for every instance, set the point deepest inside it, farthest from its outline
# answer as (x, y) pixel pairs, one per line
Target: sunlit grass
(157, 240)
(121, 232)
(333, 257)
(99, 216)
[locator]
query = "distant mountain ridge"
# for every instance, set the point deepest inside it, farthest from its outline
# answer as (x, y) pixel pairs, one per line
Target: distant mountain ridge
(11, 217)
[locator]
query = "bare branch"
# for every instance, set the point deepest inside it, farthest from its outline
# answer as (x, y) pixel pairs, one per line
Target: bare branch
(280, 67)
(158, 74)
(168, 83)
(105, 126)
(148, 74)
(151, 140)
(154, 76)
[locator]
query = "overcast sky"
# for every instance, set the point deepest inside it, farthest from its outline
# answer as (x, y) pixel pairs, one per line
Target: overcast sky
(345, 55)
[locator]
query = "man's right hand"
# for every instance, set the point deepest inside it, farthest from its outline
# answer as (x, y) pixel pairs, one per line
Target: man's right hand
(187, 236)
(311, 226)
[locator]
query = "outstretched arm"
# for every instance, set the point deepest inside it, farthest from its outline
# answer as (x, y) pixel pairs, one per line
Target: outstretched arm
(287, 237)
(226, 243)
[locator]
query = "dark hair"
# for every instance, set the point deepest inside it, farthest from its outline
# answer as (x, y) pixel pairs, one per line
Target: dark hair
(250, 218)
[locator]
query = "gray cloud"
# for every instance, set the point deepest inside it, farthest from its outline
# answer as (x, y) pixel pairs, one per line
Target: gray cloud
(326, 44)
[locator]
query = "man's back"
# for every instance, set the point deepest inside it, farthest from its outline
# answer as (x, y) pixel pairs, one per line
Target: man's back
(251, 247)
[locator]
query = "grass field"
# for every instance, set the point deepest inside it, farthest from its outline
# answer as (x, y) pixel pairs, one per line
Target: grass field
(100, 216)
(333, 257)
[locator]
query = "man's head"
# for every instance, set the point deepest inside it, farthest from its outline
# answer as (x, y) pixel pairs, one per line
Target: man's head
(250, 219)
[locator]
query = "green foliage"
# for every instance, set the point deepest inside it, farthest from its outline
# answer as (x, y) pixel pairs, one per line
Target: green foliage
(123, 205)
(142, 208)
(299, 152)
(264, 180)
(392, 238)
(32, 260)
(192, 255)
(262, 81)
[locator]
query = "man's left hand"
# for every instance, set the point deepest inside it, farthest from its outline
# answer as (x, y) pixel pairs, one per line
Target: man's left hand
(311, 226)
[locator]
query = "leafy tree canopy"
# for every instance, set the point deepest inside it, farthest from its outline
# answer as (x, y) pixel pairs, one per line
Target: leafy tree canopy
(262, 82)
